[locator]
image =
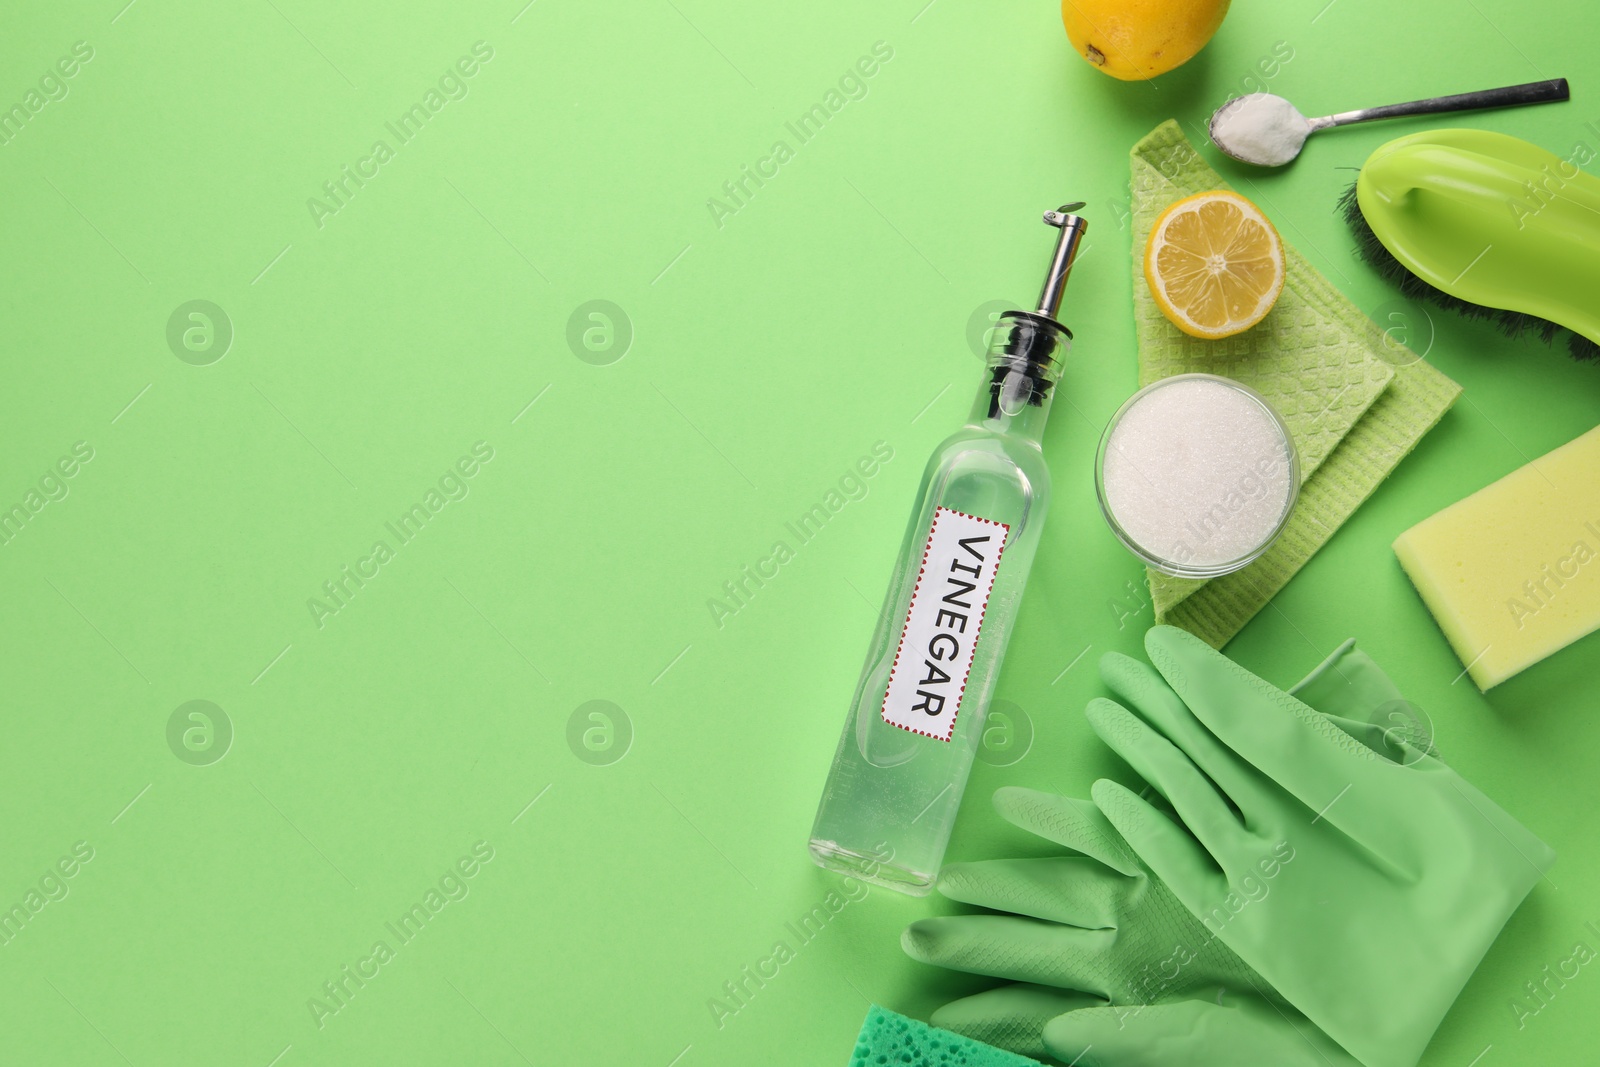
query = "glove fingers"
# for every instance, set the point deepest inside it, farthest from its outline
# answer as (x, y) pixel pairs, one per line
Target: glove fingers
(1192, 1033)
(1347, 683)
(1009, 946)
(1330, 772)
(1011, 1017)
(1362, 701)
(1160, 763)
(1175, 857)
(1141, 689)
(1073, 890)
(1077, 824)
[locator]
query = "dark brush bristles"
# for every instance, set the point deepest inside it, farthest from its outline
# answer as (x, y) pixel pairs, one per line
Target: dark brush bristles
(1513, 324)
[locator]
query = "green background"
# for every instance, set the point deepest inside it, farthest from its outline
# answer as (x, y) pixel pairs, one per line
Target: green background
(828, 313)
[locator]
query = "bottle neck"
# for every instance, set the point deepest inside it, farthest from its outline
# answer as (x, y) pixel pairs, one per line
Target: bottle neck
(1026, 422)
(1023, 365)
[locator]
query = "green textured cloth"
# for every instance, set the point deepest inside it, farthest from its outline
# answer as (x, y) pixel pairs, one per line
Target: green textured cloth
(1355, 404)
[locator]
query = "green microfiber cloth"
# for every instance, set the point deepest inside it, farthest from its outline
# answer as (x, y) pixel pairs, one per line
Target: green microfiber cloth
(896, 1041)
(1355, 405)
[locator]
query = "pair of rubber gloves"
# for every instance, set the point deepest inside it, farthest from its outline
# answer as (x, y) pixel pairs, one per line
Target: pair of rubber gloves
(1314, 890)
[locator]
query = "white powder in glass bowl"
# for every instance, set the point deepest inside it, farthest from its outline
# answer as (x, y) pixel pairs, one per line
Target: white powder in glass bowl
(1197, 475)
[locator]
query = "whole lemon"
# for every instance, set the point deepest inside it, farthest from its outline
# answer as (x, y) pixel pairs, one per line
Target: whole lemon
(1138, 39)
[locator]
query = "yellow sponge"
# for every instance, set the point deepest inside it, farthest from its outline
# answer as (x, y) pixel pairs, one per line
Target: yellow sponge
(1512, 573)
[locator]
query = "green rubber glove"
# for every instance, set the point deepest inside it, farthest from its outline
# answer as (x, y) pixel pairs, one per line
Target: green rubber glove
(1359, 697)
(1114, 969)
(1016, 1017)
(1219, 1029)
(1356, 872)
(1094, 923)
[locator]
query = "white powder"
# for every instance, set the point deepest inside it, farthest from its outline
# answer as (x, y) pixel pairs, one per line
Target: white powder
(1260, 128)
(1197, 473)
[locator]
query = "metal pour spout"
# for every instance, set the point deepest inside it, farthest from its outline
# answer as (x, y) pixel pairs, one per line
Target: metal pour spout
(1072, 229)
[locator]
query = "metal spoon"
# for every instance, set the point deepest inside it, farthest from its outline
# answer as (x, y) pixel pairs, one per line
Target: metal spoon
(1268, 131)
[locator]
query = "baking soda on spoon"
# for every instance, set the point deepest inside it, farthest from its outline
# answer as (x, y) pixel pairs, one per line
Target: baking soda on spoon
(1269, 131)
(1260, 128)
(1197, 475)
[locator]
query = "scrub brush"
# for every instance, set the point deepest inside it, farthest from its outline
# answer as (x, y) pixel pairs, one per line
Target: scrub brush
(1485, 225)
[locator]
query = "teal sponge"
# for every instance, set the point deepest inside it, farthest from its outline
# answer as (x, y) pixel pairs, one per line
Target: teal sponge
(890, 1040)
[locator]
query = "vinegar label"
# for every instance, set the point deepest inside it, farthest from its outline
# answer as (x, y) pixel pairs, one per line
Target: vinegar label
(941, 628)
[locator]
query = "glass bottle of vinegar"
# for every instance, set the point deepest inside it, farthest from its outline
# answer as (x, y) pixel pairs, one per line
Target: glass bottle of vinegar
(917, 717)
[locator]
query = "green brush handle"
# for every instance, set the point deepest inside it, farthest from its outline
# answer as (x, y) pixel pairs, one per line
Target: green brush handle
(1492, 220)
